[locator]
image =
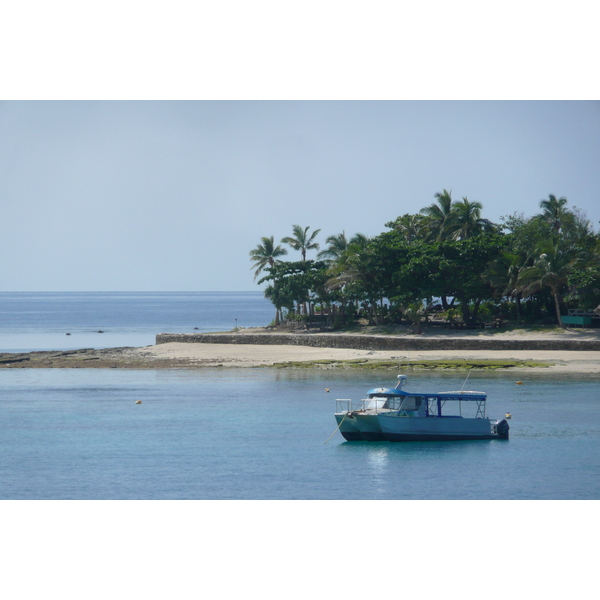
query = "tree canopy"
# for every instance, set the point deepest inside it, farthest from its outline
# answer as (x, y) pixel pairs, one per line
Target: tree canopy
(446, 255)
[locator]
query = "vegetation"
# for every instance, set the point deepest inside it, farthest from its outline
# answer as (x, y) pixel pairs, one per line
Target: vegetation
(445, 263)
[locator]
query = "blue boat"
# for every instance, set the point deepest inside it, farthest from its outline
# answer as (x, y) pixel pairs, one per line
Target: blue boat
(395, 415)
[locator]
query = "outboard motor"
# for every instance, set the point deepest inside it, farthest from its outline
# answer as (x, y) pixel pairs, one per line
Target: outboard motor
(502, 429)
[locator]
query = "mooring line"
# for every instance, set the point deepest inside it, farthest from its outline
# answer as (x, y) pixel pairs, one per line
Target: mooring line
(335, 430)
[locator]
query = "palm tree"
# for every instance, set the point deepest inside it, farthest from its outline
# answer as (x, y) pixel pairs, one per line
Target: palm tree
(265, 254)
(550, 270)
(441, 214)
(554, 211)
(467, 220)
(339, 244)
(301, 240)
(415, 227)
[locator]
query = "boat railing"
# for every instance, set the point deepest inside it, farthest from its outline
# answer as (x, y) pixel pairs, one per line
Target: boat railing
(343, 405)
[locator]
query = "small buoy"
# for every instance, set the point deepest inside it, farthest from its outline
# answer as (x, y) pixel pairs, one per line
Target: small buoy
(508, 416)
(519, 383)
(67, 334)
(327, 389)
(138, 401)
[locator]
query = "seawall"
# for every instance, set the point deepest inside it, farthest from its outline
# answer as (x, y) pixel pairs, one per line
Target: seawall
(377, 342)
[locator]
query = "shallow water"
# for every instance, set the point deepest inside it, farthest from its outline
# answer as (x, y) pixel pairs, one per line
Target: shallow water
(261, 433)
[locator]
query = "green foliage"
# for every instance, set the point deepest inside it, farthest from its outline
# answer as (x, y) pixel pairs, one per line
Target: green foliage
(300, 240)
(265, 254)
(453, 315)
(479, 270)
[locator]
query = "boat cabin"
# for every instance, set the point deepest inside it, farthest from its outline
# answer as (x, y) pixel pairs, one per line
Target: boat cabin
(442, 404)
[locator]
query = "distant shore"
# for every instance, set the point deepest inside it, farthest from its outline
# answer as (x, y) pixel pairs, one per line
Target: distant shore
(545, 351)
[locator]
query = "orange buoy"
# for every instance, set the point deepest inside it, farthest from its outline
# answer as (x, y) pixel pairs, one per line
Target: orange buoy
(138, 401)
(519, 383)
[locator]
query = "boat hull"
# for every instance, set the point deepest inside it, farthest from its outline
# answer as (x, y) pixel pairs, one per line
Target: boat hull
(435, 437)
(421, 429)
(368, 425)
(348, 427)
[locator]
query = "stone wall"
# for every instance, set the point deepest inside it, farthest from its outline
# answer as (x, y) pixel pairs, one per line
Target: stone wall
(374, 342)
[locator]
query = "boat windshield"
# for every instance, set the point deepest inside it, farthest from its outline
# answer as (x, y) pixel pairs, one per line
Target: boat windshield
(375, 402)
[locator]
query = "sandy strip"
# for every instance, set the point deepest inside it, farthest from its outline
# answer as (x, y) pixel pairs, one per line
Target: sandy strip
(242, 355)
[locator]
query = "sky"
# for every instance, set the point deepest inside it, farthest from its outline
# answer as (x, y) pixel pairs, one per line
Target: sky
(172, 195)
(153, 151)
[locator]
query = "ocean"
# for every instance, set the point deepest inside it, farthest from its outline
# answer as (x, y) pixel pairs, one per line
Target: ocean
(41, 321)
(257, 434)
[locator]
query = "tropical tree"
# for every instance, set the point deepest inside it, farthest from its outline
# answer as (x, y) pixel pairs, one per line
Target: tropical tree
(414, 228)
(467, 220)
(300, 240)
(279, 299)
(294, 282)
(550, 270)
(339, 244)
(525, 235)
(554, 212)
(584, 282)
(503, 273)
(440, 215)
(413, 313)
(346, 274)
(265, 255)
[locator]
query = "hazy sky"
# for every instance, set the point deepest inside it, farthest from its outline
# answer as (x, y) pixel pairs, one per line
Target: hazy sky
(166, 196)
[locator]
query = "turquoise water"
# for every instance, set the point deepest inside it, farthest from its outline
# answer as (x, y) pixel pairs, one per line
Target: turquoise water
(261, 433)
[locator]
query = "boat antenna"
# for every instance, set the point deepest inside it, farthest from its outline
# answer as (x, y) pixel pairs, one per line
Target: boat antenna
(465, 382)
(401, 381)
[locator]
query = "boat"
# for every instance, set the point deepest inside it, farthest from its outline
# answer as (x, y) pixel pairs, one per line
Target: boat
(361, 423)
(396, 415)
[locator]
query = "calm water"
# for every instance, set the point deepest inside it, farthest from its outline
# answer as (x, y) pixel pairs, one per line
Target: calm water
(41, 321)
(260, 433)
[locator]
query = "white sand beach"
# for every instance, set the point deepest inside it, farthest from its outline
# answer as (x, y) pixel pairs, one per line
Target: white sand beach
(250, 355)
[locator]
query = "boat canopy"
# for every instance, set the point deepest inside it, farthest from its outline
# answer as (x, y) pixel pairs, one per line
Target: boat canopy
(463, 396)
(385, 392)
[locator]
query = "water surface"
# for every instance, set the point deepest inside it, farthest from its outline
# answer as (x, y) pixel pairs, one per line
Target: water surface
(260, 434)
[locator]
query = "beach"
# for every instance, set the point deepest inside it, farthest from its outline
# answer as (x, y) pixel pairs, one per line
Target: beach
(238, 354)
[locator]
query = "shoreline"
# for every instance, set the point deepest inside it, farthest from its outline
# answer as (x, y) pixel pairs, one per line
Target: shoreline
(541, 352)
(472, 341)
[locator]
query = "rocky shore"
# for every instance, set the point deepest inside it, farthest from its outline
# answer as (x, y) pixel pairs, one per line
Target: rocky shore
(90, 358)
